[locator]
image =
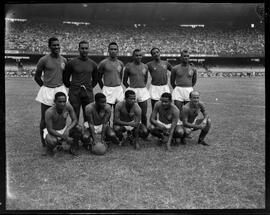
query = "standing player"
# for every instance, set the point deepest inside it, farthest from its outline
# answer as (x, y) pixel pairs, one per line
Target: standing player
(137, 73)
(52, 66)
(57, 130)
(83, 72)
(158, 71)
(189, 117)
(127, 118)
(183, 79)
(98, 116)
(111, 70)
(165, 120)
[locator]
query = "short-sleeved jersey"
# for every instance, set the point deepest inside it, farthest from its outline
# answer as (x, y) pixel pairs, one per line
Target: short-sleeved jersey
(124, 114)
(192, 113)
(81, 71)
(111, 72)
(98, 118)
(158, 72)
(137, 74)
(183, 75)
(53, 70)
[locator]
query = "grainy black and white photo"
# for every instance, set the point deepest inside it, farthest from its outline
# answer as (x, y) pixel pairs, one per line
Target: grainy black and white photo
(130, 106)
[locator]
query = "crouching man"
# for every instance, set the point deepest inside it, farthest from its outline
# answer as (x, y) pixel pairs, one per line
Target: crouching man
(57, 131)
(98, 116)
(190, 121)
(165, 123)
(127, 118)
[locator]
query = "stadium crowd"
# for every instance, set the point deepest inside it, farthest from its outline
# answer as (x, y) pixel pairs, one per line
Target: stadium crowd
(31, 37)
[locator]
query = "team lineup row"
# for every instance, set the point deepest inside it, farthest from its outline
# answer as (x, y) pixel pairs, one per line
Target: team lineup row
(168, 121)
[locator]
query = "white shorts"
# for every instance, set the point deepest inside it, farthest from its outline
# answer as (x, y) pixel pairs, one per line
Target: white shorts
(46, 94)
(45, 132)
(168, 126)
(98, 128)
(157, 91)
(142, 94)
(113, 94)
(181, 93)
(128, 128)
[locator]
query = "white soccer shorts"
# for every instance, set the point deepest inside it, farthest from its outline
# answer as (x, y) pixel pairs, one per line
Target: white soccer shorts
(45, 132)
(156, 91)
(181, 93)
(113, 94)
(98, 128)
(46, 94)
(142, 94)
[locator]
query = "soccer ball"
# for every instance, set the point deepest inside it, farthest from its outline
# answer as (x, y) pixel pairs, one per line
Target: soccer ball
(99, 148)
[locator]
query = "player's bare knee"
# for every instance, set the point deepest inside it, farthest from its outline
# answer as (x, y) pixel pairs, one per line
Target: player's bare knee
(111, 133)
(143, 131)
(51, 141)
(117, 128)
(79, 128)
(209, 122)
(118, 131)
(86, 137)
(187, 131)
(208, 125)
(179, 132)
(151, 128)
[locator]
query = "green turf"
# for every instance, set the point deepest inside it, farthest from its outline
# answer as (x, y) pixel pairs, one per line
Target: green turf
(228, 174)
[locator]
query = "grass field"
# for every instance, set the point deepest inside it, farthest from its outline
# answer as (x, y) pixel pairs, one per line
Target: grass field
(228, 174)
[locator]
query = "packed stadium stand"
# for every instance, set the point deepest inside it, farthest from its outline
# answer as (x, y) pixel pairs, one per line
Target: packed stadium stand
(31, 37)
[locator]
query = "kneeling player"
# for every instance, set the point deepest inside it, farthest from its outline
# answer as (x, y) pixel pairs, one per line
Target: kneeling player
(165, 120)
(56, 130)
(127, 118)
(98, 117)
(190, 122)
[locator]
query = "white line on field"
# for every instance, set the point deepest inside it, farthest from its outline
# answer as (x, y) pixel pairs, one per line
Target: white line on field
(245, 105)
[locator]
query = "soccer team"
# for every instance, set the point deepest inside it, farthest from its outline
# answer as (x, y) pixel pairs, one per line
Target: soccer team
(172, 122)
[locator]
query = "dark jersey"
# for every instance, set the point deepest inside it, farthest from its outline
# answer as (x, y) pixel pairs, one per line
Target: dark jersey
(81, 72)
(184, 75)
(158, 72)
(53, 70)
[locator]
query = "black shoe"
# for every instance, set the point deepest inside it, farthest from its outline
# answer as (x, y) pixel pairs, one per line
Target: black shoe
(50, 151)
(183, 141)
(59, 148)
(203, 143)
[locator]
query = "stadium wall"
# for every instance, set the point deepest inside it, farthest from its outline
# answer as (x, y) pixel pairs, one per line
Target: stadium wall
(28, 59)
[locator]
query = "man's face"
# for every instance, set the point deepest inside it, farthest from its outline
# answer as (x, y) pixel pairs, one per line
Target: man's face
(101, 103)
(138, 56)
(55, 47)
(185, 57)
(113, 50)
(165, 102)
(60, 102)
(195, 98)
(131, 100)
(155, 54)
(84, 49)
